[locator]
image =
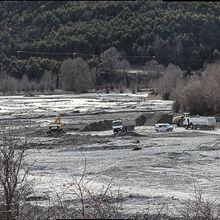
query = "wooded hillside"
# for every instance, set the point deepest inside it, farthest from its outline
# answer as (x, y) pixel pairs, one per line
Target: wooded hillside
(182, 33)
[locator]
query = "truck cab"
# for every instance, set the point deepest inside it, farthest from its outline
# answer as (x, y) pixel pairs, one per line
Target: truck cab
(122, 126)
(117, 126)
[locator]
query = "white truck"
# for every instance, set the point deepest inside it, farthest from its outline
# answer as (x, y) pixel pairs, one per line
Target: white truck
(199, 122)
(119, 126)
(163, 127)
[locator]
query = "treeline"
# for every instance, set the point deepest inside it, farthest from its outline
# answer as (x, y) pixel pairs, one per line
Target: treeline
(105, 73)
(198, 93)
(48, 82)
(182, 33)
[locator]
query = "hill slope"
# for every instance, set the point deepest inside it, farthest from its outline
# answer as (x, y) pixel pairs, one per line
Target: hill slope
(185, 34)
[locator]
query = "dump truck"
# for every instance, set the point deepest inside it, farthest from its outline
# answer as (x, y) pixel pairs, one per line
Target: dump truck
(122, 126)
(199, 122)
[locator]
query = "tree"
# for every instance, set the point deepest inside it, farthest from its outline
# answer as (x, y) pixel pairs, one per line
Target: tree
(168, 81)
(153, 70)
(8, 83)
(196, 61)
(133, 86)
(48, 81)
(173, 33)
(177, 94)
(83, 82)
(25, 83)
(211, 90)
(110, 59)
(13, 180)
(121, 86)
(154, 66)
(75, 75)
(67, 74)
(113, 67)
(193, 98)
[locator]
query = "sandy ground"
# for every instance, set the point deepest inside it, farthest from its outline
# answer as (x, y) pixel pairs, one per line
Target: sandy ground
(168, 165)
(166, 168)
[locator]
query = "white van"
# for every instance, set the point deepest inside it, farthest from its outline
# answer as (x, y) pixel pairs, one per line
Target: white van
(163, 127)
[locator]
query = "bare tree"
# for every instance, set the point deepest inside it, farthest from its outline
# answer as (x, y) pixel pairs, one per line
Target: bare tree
(75, 75)
(25, 83)
(198, 94)
(83, 79)
(113, 68)
(48, 81)
(133, 86)
(121, 86)
(177, 95)
(13, 182)
(8, 83)
(111, 59)
(154, 69)
(67, 75)
(211, 87)
(198, 207)
(168, 81)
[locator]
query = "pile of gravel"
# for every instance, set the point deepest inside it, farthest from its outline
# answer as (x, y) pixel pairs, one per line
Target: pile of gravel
(210, 146)
(151, 118)
(98, 126)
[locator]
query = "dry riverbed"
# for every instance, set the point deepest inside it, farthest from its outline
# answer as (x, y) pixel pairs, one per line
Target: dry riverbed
(165, 168)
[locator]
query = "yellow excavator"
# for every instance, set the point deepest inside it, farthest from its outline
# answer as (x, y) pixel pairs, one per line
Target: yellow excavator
(56, 125)
(178, 119)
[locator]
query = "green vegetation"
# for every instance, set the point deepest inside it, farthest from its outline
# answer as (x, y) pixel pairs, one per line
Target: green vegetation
(182, 33)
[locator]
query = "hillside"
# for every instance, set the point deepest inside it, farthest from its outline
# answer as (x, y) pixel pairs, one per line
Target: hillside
(186, 34)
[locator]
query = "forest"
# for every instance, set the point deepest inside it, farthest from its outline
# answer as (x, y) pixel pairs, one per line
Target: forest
(36, 36)
(82, 45)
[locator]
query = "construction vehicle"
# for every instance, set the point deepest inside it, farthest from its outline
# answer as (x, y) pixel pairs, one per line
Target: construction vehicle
(178, 119)
(199, 122)
(119, 126)
(56, 125)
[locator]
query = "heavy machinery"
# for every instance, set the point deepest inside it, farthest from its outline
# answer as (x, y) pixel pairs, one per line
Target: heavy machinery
(119, 126)
(178, 119)
(194, 122)
(199, 122)
(56, 125)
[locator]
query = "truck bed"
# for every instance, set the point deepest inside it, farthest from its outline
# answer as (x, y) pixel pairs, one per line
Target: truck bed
(208, 121)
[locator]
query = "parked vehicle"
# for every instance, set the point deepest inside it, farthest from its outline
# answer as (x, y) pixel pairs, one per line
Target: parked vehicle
(179, 119)
(119, 126)
(163, 127)
(199, 122)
